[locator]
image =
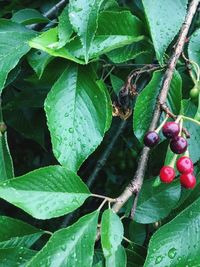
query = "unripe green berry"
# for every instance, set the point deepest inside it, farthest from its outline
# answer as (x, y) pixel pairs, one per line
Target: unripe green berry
(194, 92)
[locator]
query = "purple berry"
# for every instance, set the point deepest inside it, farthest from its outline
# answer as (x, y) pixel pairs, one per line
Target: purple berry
(178, 145)
(171, 129)
(151, 139)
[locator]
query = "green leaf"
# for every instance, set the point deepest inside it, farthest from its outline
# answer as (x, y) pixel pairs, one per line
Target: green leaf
(155, 203)
(193, 47)
(146, 102)
(118, 259)
(83, 16)
(14, 38)
(120, 23)
(109, 5)
(189, 110)
(98, 259)
(107, 38)
(123, 29)
(129, 52)
(165, 20)
(117, 83)
(105, 43)
(137, 232)
(15, 233)
(6, 164)
(177, 243)
(76, 114)
(46, 193)
(64, 28)
(112, 232)
(73, 246)
(134, 259)
(18, 257)
(109, 109)
(38, 60)
(29, 16)
(57, 37)
(28, 122)
(99, 264)
(47, 42)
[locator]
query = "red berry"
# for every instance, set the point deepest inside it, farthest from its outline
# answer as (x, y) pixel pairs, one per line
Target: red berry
(184, 165)
(178, 144)
(171, 129)
(167, 174)
(188, 180)
(151, 139)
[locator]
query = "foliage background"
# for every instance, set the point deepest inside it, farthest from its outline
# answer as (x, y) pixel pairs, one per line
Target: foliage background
(30, 143)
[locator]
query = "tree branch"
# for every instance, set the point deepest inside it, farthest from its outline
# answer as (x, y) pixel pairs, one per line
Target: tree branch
(135, 185)
(50, 14)
(102, 160)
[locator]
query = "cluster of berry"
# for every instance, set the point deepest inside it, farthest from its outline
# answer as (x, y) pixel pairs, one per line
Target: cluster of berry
(178, 145)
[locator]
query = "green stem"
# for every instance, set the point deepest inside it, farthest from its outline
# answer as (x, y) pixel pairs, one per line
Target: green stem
(190, 119)
(196, 69)
(187, 154)
(1, 115)
(178, 119)
(127, 240)
(197, 115)
(173, 161)
(102, 204)
(109, 199)
(48, 232)
(161, 125)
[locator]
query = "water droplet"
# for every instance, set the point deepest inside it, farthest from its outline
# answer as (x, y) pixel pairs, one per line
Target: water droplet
(115, 237)
(71, 130)
(179, 259)
(158, 259)
(172, 253)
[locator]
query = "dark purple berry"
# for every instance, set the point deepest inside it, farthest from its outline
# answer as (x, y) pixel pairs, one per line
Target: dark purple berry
(171, 129)
(151, 139)
(178, 145)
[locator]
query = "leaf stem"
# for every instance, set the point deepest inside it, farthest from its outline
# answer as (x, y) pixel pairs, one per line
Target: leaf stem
(191, 119)
(104, 197)
(102, 204)
(103, 158)
(48, 232)
(127, 240)
(161, 125)
(107, 75)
